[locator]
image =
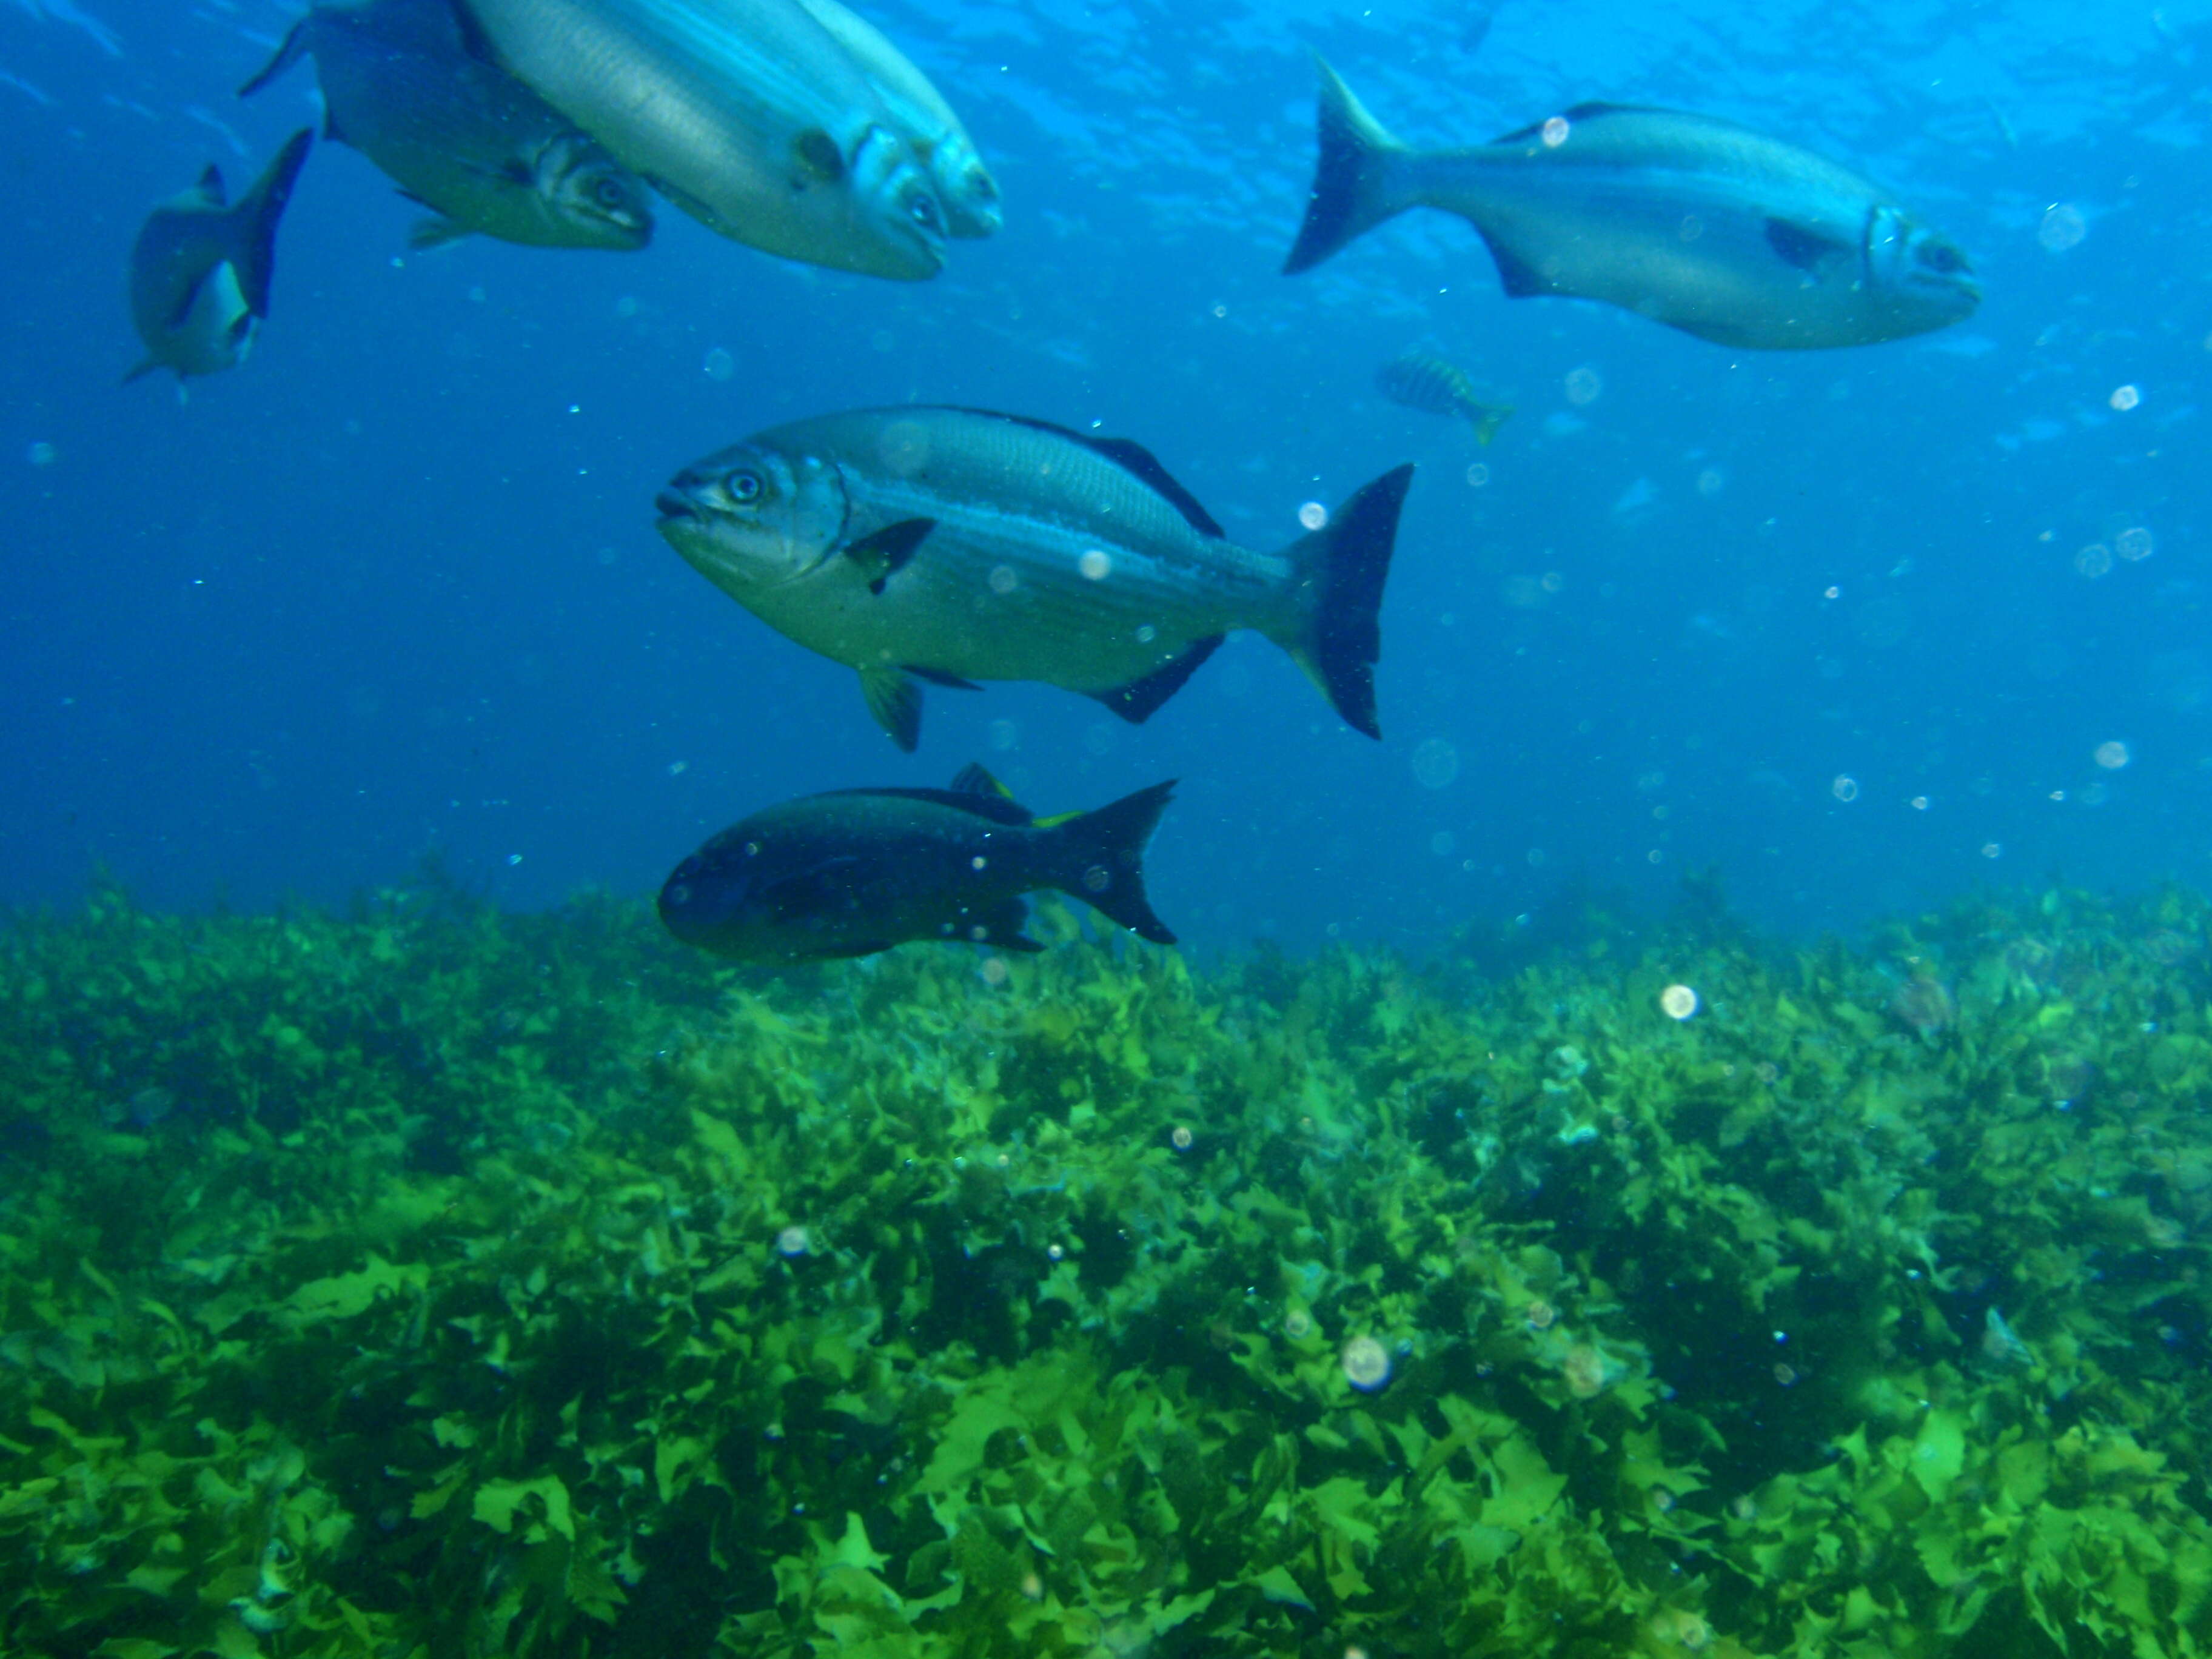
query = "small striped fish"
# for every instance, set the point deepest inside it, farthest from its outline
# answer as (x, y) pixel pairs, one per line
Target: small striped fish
(1422, 381)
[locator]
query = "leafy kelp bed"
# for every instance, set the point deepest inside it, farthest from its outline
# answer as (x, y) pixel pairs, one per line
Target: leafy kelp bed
(436, 1282)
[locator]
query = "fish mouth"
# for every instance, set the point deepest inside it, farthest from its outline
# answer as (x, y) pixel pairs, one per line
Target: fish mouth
(673, 506)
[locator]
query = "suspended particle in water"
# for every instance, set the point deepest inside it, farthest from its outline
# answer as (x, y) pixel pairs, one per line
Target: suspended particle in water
(1832, 592)
(1004, 735)
(2063, 227)
(2133, 545)
(1366, 1363)
(1298, 1324)
(1056, 1252)
(1921, 803)
(1552, 581)
(2093, 561)
(1555, 131)
(717, 364)
(1096, 564)
(1442, 843)
(1477, 476)
(1678, 1002)
(1181, 1138)
(2125, 398)
(1313, 516)
(793, 1242)
(1845, 788)
(1711, 482)
(1584, 385)
(1992, 849)
(41, 454)
(2112, 755)
(1540, 1315)
(1436, 764)
(1146, 632)
(994, 971)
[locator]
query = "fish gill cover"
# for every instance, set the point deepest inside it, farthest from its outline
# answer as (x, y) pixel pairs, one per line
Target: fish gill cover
(433, 1281)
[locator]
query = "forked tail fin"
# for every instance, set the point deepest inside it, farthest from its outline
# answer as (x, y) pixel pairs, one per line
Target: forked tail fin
(254, 222)
(1100, 859)
(1358, 181)
(1339, 570)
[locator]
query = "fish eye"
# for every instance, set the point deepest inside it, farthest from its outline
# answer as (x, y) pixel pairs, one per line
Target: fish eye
(608, 193)
(743, 486)
(1941, 256)
(923, 210)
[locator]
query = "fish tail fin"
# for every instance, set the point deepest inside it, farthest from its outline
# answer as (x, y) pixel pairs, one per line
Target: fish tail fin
(1358, 183)
(286, 55)
(1099, 858)
(254, 220)
(1338, 572)
(1486, 419)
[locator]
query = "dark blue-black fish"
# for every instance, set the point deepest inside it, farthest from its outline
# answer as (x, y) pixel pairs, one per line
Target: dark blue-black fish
(858, 871)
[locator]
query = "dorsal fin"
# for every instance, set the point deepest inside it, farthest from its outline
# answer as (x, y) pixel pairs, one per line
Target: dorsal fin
(974, 780)
(1132, 457)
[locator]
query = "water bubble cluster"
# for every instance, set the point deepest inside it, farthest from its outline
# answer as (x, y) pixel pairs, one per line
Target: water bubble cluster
(792, 1241)
(1313, 516)
(2125, 398)
(1436, 764)
(1096, 564)
(1555, 131)
(1678, 1002)
(1845, 788)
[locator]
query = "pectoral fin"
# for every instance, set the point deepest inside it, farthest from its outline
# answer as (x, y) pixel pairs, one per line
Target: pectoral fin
(895, 698)
(884, 553)
(818, 156)
(1795, 245)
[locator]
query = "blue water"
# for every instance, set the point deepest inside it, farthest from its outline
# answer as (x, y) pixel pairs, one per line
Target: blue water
(394, 585)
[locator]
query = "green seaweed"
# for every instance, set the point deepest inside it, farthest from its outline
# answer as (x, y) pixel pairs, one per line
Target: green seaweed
(431, 1282)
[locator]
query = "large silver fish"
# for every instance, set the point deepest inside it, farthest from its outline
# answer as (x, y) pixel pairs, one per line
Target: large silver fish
(200, 269)
(1694, 222)
(954, 545)
(747, 114)
(463, 137)
(923, 119)
(858, 871)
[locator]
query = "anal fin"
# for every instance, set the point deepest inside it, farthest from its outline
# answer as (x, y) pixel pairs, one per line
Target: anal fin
(1136, 701)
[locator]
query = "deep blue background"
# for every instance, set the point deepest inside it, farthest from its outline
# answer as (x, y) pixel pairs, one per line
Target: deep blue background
(395, 586)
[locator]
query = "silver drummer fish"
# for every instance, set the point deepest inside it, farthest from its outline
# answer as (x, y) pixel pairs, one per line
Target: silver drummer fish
(1695, 222)
(747, 114)
(857, 871)
(200, 269)
(923, 119)
(468, 141)
(952, 546)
